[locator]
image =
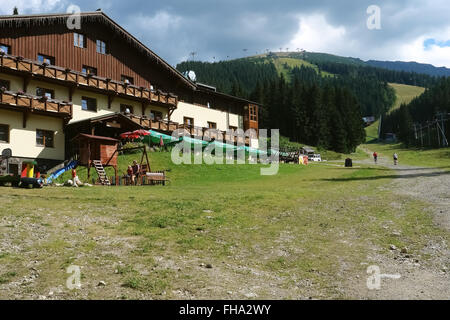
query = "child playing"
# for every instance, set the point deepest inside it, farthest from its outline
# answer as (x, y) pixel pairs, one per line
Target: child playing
(75, 179)
(129, 175)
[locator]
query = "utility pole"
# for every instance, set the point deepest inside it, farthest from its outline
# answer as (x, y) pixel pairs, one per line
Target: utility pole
(441, 128)
(445, 142)
(438, 135)
(429, 134)
(379, 128)
(421, 136)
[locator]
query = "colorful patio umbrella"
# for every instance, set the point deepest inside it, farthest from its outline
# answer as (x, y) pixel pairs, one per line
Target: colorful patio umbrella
(134, 135)
(141, 132)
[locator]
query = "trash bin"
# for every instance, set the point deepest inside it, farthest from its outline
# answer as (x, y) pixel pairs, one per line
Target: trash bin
(348, 163)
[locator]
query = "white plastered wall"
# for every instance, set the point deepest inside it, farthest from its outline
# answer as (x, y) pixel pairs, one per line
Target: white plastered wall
(22, 141)
(202, 115)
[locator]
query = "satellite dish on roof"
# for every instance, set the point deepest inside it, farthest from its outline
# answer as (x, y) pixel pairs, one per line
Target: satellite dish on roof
(191, 75)
(7, 153)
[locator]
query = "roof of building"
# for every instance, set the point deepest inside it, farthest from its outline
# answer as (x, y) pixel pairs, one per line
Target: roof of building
(36, 20)
(96, 16)
(308, 149)
(91, 137)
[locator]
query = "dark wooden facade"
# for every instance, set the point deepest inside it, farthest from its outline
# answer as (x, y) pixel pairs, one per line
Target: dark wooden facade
(29, 36)
(97, 148)
(60, 45)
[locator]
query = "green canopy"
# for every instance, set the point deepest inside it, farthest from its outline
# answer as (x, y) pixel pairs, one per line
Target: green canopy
(155, 138)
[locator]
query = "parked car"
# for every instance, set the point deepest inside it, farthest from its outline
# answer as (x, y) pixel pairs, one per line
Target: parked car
(315, 158)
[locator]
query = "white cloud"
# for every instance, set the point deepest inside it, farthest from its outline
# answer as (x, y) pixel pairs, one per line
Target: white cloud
(30, 6)
(162, 22)
(434, 54)
(315, 34)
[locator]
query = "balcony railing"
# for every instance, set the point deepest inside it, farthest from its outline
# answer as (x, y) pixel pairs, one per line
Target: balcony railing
(32, 103)
(82, 79)
(197, 132)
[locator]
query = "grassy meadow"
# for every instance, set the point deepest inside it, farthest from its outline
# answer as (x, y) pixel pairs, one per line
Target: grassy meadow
(214, 232)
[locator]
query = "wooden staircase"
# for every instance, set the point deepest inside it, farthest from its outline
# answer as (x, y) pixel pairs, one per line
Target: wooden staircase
(101, 173)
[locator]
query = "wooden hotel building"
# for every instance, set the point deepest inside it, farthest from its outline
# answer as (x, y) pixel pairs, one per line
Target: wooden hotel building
(100, 80)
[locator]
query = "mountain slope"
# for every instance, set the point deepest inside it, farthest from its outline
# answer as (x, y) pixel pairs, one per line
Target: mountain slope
(411, 67)
(404, 95)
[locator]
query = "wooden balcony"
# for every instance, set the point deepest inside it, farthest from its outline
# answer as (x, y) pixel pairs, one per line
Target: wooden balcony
(75, 78)
(196, 132)
(24, 102)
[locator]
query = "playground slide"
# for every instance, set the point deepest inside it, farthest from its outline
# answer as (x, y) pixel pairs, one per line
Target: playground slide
(56, 174)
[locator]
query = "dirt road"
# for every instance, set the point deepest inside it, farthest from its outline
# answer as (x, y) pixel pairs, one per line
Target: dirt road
(419, 279)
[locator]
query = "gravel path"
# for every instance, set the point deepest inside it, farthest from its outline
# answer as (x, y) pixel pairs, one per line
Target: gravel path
(419, 279)
(431, 185)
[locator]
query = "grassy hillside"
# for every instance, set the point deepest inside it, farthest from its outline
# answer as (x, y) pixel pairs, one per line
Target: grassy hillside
(216, 232)
(432, 158)
(405, 94)
(408, 156)
(178, 173)
(285, 62)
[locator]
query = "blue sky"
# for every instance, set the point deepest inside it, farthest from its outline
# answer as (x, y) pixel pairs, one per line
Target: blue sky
(411, 30)
(430, 43)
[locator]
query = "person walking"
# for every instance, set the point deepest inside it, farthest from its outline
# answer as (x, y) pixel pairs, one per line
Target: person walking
(395, 159)
(375, 157)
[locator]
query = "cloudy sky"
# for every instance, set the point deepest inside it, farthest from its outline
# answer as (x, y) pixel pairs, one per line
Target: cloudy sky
(411, 30)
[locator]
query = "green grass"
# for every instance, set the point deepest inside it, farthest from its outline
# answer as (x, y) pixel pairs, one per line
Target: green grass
(284, 65)
(437, 158)
(303, 223)
(405, 94)
(178, 174)
(372, 132)
(409, 156)
(7, 277)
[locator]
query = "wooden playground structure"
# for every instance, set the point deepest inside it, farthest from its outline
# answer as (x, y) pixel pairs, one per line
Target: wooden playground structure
(102, 152)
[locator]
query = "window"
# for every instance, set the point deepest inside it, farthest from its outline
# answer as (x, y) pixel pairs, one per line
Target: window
(4, 48)
(89, 70)
(233, 128)
(156, 115)
(41, 92)
(253, 113)
(126, 79)
(88, 104)
(188, 121)
(79, 40)
(212, 125)
(45, 138)
(46, 59)
(124, 108)
(101, 47)
(5, 84)
(4, 133)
